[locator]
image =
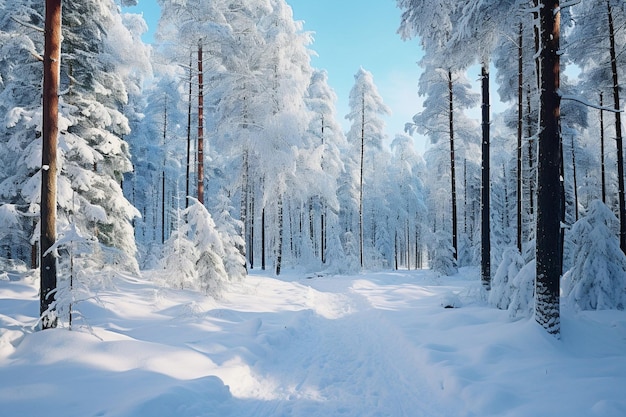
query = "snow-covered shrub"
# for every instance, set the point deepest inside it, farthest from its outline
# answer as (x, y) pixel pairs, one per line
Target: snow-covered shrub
(199, 255)
(523, 291)
(501, 284)
(442, 254)
(597, 279)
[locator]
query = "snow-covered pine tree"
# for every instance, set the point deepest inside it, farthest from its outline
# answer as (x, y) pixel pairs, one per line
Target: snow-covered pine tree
(97, 76)
(597, 279)
(21, 72)
(366, 135)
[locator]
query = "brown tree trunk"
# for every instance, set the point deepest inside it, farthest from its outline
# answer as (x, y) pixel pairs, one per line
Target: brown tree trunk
(51, 75)
(549, 250)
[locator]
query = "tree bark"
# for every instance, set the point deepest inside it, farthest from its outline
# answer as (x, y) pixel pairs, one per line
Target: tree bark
(200, 161)
(520, 126)
(361, 180)
(187, 176)
(485, 197)
(602, 165)
(618, 132)
(51, 75)
(452, 167)
(279, 240)
(263, 239)
(549, 250)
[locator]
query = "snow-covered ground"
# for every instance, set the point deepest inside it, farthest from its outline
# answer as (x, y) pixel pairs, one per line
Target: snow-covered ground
(375, 344)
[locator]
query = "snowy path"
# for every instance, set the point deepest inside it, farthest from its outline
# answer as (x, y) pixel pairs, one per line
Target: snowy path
(377, 344)
(356, 364)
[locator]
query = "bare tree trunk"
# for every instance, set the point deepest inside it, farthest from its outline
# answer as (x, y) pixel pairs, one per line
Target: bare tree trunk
(361, 180)
(602, 149)
(549, 250)
(575, 181)
(51, 75)
(279, 242)
(452, 167)
(520, 126)
(263, 239)
(618, 133)
(187, 179)
(485, 197)
(163, 174)
(200, 161)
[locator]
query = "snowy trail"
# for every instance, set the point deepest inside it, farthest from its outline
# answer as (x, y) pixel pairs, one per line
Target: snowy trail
(359, 364)
(375, 344)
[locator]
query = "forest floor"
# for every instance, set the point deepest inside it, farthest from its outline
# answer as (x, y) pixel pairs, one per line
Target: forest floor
(373, 344)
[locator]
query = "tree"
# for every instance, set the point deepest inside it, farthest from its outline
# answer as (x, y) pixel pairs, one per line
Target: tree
(52, 65)
(21, 73)
(597, 280)
(549, 249)
(366, 108)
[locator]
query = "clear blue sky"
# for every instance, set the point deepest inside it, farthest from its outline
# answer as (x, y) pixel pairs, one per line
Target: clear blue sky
(349, 34)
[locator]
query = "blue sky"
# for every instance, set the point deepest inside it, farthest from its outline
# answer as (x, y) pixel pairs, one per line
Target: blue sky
(349, 34)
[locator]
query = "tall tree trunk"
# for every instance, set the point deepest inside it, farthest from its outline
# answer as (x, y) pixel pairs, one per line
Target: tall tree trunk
(163, 174)
(51, 75)
(251, 226)
(279, 240)
(323, 234)
(263, 239)
(452, 167)
(244, 203)
(549, 251)
(200, 161)
(618, 132)
(520, 126)
(485, 246)
(187, 179)
(575, 181)
(361, 179)
(602, 165)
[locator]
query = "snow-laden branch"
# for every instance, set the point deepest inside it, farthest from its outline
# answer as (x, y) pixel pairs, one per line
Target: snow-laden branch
(588, 104)
(28, 25)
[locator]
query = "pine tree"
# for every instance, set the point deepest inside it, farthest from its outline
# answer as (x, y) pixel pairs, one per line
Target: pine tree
(366, 131)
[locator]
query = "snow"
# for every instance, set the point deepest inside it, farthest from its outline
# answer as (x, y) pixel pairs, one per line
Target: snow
(373, 344)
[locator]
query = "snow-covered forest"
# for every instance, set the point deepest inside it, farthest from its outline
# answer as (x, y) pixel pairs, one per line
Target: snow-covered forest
(216, 154)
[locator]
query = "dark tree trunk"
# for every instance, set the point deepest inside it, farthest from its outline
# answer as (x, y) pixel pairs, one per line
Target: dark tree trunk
(244, 204)
(52, 62)
(263, 239)
(187, 179)
(251, 226)
(485, 246)
(279, 240)
(163, 174)
(575, 181)
(200, 161)
(361, 180)
(602, 150)
(520, 126)
(452, 167)
(549, 253)
(323, 234)
(618, 133)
